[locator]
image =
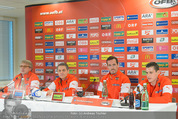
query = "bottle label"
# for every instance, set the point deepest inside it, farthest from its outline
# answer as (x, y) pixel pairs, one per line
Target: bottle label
(137, 103)
(145, 103)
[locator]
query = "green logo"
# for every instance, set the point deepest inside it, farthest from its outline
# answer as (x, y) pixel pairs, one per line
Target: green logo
(118, 33)
(143, 73)
(82, 21)
(83, 64)
(162, 15)
(72, 71)
(105, 19)
(49, 37)
(163, 64)
(59, 97)
(38, 24)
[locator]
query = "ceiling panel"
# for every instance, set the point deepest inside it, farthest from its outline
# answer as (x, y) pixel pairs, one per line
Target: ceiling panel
(19, 6)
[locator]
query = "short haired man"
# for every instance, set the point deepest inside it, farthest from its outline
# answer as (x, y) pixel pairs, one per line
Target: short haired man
(9, 104)
(65, 83)
(31, 80)
(116, 80)
(159, 87)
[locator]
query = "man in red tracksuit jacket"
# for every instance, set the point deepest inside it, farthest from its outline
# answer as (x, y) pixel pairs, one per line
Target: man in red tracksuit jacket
(116, 81)
(159, 87)
(31, 80)
(65, 83)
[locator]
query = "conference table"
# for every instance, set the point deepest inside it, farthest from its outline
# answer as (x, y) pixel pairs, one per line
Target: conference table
(44, 109)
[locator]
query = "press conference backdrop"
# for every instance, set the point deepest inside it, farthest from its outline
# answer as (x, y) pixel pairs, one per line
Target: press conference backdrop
(85, 33)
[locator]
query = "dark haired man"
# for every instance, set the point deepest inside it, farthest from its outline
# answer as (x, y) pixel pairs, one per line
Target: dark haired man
(9, 104)
(159, 87)
(65, 83)
(116, 80)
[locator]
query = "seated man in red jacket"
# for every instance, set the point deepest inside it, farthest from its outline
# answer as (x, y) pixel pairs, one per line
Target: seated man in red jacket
(26, 80)
(65, 83)
(159, 87)
(116, 81)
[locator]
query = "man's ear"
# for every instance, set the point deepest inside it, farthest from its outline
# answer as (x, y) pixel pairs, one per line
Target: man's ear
(158, 71)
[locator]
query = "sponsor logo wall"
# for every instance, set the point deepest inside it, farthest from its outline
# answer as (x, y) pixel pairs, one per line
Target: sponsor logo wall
(85, 39)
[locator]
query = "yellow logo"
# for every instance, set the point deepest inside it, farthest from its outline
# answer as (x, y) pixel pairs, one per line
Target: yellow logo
(104, 57)
(94, 42)
(132, 33)
(39, 57)
(144, 64)
(174, 81)
(59, 36)
(96, 79)
(174, 39)
(72, 64)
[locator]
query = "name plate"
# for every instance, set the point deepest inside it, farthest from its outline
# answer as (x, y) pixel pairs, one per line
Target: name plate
(18, 94)
(92, 101)
(58, 96)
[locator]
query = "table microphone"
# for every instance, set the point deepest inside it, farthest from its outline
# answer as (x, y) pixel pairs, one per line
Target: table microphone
(2, 90)
(80, 93)
(43, 87)
(125, 99)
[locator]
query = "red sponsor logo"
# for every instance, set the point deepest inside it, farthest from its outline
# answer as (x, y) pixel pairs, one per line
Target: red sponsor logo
(94, 35)
(48, 30)
(39, 64)
(120, 57)
(147, 24)
(71, 57)
(147, 56)
(94, 50)
(107, 34)
(59, 29)
(175, 64)
(49, 57)
(71, 28)
(132, 25)
(118, 26)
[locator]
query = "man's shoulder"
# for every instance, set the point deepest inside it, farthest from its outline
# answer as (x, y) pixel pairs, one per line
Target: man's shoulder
(164, 79)
(72, 77)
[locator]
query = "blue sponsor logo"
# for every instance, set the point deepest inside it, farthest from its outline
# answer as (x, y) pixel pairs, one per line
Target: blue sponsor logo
(161, 23)
(94, 57)
(132, 49)
(121, 64)
(59, 50)
(134, 80)
(83, 35)
(162, 31)
(132, 17)
(49, 43)
(104, 72)
(119, 41)
(174, 56)
(49, 50)
(119, 49)
(49, 64)
(82, 28)
(162, 56)
(147, 48)
(82, 57)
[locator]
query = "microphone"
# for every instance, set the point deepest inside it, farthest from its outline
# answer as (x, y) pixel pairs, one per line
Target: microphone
(80, 93)
(43, 87)
(12, 82)
(125, 99)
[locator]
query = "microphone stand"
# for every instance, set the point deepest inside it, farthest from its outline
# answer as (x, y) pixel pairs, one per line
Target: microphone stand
(43, 87)
(80, 93)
